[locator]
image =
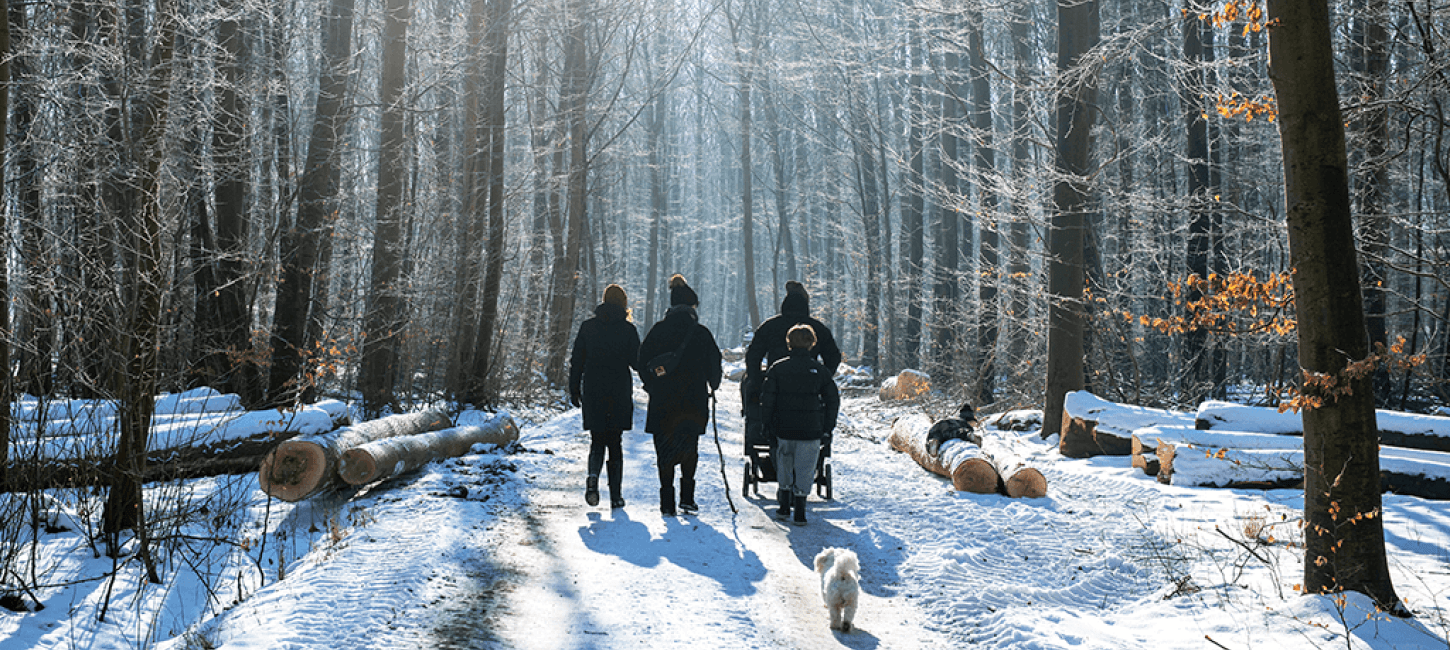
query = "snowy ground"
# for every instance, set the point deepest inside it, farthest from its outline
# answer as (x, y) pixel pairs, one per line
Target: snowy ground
(499, 550)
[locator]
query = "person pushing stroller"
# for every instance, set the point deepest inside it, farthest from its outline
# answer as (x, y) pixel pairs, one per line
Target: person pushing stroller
(799, 403)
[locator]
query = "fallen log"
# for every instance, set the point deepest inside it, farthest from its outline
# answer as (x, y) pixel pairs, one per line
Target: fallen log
(306, 465)
(1019, 479)
(390, 457)
(959, 460)
(1396, 428)
(233, 445)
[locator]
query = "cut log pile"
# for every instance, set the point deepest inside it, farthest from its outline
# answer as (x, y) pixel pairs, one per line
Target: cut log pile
(390, 457)
(1232, 445)
(307, 465)
(982, 465)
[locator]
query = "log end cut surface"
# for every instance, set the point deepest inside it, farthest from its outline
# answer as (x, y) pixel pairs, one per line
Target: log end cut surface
(357, 466)
(975, 475)
(293, 470)
(1028, 483)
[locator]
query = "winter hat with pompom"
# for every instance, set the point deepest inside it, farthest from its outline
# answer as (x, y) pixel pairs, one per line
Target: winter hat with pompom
(681, 293)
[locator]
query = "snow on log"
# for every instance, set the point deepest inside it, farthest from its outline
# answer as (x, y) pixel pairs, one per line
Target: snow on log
(1398, 429)
(1097, 427)
(185, 446)
(390, 457)
(1192, 465)
(1018, 478)
(306, 465)
(959, 460)
(909, 384)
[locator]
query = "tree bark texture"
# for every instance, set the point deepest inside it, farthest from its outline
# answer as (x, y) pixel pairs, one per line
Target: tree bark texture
(302, 289)
(385, 318)
(969, 469)
(1344, 532)
(380, 459)
(1067, 313)
(306, 465)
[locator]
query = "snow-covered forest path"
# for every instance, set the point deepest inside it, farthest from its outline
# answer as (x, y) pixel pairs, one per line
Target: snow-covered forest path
(593, 577)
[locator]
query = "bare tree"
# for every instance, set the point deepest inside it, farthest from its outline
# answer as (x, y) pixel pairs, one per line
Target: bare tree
(1077, 34)
(1344, 525)
(385, 318)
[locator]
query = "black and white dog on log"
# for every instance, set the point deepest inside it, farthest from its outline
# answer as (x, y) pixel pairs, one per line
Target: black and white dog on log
(961, 427)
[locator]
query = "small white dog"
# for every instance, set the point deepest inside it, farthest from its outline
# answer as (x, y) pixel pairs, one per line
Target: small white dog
(840, 584)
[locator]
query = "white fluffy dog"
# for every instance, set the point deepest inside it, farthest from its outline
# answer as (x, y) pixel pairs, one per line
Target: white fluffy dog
(840, 584)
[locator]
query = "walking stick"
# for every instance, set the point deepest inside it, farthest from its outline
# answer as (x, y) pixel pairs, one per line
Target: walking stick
(720, 451)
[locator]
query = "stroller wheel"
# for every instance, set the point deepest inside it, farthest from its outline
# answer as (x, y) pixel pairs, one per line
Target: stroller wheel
(749, 479)
(823, 483)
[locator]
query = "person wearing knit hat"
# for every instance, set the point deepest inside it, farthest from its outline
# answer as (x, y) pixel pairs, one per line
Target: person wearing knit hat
(681, 293)
(768, 345)
(679, 364)
(605, 350)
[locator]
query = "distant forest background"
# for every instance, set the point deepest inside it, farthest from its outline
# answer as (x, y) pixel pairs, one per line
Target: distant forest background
(415, 200)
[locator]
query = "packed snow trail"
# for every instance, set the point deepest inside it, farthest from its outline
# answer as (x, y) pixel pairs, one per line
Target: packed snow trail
(595, 577)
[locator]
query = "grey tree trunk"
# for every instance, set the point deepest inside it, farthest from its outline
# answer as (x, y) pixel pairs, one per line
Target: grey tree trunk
(384, 320)
(305, 252)
(984, 160)
(1077, 33)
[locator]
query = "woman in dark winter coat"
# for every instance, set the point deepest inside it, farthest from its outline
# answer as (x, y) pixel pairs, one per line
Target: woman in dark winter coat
(679, 393)
(799, 402)
(604, 351)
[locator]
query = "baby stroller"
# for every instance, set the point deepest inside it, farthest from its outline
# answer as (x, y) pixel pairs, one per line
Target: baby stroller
(760, 449)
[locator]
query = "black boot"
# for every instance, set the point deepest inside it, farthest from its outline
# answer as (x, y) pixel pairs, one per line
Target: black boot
(591, 490)
(800, 511)
(783, 498)
(667, 501)
(687, 497)
(615, 467)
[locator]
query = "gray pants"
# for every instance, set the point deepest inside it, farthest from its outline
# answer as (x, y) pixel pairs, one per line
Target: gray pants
(795, 465)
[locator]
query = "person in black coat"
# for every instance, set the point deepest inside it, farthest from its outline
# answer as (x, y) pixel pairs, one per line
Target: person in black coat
(679, 396)
(961, 427)
(768, 345)
(605, 350)
(799, 402)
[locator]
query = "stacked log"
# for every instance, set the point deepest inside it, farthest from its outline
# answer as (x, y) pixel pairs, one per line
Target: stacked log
(390, 457)
(968, 462)
(306, 465)
(906, 385)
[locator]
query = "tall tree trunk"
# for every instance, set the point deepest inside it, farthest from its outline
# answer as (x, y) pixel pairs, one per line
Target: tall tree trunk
(35, 311)
(1195, 375)
(985, 161)
(1370, 61)
(140, 340)
(1019, 266)
(1344, 546)
(914, 202)
(785, 242)
(573, 105)
(868, 188)
(496, 45)
(6, 385)
(945, 289)
(1077, 33)
(658, 195)
(224, 316)
(1344, 536)
(384, 321)
(306, 246)
(472, 222)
